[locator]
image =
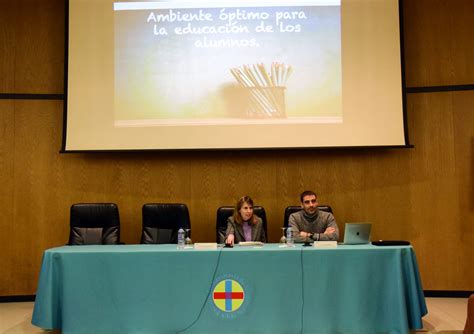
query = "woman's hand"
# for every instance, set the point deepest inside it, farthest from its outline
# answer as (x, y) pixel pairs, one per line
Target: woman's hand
(230, 240)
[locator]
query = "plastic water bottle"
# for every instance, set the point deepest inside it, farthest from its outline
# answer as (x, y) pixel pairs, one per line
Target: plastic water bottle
(290, 242)
(180, 238)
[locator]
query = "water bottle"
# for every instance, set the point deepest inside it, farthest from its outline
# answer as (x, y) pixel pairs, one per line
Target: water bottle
(290, 242)
(180, 238)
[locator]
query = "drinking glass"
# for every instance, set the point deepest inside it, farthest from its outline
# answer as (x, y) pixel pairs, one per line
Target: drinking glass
(283, 238)
(188, 241)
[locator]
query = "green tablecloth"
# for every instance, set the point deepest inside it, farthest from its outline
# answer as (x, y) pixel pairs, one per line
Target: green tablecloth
(159, 289)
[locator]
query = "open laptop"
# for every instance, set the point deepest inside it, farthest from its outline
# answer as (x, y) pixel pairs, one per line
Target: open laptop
(357, 233)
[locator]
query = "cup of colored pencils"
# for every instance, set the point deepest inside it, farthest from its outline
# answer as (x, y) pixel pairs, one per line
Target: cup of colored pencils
(266, 89)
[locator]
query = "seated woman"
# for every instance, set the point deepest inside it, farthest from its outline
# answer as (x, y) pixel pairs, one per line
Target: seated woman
(244, 225)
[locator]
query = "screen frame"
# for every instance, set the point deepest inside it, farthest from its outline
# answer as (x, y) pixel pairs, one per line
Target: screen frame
(404, 109)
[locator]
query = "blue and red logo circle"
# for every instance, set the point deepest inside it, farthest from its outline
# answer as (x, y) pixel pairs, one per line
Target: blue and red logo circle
(228, 295)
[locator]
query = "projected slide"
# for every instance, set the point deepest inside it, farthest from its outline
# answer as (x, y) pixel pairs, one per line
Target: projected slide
(214, 74)
(210, 63)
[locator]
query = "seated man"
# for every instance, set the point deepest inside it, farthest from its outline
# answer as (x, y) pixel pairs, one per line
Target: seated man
(312, 224)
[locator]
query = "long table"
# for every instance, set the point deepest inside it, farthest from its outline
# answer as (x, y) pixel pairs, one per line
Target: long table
(159, 289)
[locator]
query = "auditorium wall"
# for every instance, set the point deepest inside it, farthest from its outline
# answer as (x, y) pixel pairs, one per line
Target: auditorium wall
(424, 194)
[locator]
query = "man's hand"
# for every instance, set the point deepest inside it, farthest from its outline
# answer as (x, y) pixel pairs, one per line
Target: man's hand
(304, 234)
(330, 230)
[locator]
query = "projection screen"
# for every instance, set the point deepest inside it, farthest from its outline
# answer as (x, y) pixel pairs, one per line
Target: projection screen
(233, 74)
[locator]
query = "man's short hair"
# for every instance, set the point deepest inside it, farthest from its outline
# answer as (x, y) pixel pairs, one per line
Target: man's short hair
(307, 193)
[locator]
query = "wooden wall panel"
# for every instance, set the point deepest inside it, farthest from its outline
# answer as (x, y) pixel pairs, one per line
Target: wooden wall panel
(32, 52)
(463, 118)
(438, 42)
(7, 49)
(36, 206)
(7, 171)
(444, 244)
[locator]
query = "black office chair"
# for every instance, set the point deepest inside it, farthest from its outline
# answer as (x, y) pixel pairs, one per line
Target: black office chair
(225, 212)
(161, 222)
(292, 209)
(94, 224)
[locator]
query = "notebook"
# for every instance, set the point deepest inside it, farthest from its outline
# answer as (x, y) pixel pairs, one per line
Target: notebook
(251, 243)
(357, 233)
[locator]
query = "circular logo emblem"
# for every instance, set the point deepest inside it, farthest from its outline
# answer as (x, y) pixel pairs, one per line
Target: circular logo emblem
(228, 295)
